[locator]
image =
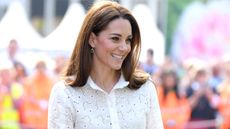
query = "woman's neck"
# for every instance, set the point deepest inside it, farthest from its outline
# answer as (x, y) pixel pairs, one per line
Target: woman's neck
(105, 78)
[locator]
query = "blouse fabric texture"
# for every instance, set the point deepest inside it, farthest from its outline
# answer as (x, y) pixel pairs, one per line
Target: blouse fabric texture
(90, 107)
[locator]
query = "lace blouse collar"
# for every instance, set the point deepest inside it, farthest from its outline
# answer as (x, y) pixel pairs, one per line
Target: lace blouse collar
(120, 84)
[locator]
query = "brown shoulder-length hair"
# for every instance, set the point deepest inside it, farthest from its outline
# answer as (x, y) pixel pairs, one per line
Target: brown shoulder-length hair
(96, 20)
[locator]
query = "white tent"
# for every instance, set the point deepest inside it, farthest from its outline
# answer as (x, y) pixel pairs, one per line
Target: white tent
(63, 38)
(15, 25)
(150, 34)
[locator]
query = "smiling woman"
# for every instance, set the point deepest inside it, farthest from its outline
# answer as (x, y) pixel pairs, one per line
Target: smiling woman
(102, 88)
(111, 46)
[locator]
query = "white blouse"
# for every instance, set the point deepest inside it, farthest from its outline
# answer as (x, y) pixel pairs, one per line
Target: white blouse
(90, 107)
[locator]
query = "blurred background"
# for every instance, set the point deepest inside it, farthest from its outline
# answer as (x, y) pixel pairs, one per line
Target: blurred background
(185, 49)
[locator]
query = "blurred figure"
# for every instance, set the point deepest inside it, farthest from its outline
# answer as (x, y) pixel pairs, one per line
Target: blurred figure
(20, 73)
(13, 50)
(34, 109)
(187, 73)
(60, 62)
(12, 53)
(169, 64)
(201, 98)
(175, 107)
(9, 116)
(216, 77)
(224, 91)
(149, 66)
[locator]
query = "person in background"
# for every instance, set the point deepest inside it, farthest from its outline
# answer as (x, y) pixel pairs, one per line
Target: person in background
(9, 116)
(224, 91)
(34, 109)
(217, 76)
(149, 66)
(201, 97)
(102, 88)
(60, 63)
(175, 107)
(13, 50)
(11, 54)
(168, 65)
(20, 73)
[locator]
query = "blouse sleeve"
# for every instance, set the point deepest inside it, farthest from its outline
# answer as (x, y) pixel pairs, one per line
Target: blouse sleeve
(61, 111)
(154, 119)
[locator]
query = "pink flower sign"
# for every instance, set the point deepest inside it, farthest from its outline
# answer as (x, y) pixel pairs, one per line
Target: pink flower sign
(207, 35)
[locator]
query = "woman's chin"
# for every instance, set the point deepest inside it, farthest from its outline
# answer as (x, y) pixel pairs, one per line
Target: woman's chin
(116, 67)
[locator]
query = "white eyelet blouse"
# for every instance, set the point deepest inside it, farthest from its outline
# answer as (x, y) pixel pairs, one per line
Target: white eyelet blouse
(89, 107)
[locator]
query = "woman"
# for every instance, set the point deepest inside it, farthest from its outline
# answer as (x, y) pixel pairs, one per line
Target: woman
(175, 107)
(102, 90)
(34, 105)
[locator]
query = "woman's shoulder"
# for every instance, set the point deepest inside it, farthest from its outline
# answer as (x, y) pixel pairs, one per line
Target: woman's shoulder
(148, 85)
(60, 88)
(149, 91)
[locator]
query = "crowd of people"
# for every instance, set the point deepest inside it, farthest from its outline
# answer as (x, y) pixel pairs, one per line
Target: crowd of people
(192, 94)
(24, 95)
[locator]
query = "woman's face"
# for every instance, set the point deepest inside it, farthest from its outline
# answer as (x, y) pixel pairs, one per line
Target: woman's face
(113, 44)
(170, 81)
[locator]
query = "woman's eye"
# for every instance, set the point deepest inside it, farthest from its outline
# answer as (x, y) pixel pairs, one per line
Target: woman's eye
(115, 38)
(129, 40)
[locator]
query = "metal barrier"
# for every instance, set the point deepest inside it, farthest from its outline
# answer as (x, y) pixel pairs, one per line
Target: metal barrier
(190, 125)
(203, 124)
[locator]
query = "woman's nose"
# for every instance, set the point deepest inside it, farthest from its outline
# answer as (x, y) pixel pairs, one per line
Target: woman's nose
(124, 46)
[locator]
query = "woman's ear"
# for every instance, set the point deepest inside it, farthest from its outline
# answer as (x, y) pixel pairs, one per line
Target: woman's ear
(92, 40)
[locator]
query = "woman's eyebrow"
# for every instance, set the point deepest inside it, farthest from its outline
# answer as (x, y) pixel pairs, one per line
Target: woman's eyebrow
(119, 35)
(116, 34)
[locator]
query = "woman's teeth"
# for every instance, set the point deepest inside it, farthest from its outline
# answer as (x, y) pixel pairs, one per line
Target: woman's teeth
(117, 56)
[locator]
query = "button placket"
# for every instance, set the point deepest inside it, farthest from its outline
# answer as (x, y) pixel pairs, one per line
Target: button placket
(111, 100)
